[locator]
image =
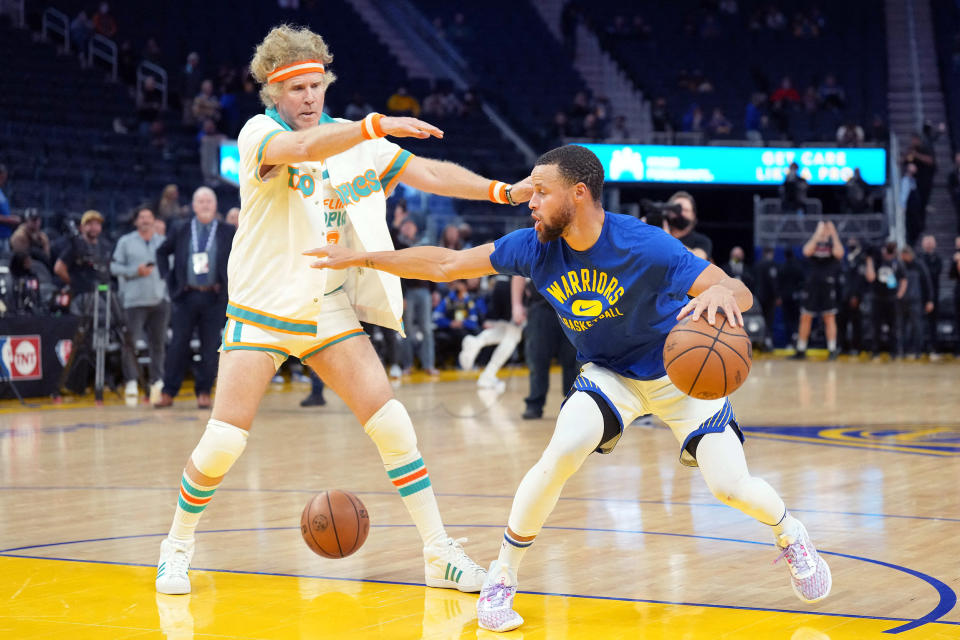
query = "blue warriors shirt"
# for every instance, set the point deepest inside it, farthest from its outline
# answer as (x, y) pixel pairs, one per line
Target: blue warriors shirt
(617, 300)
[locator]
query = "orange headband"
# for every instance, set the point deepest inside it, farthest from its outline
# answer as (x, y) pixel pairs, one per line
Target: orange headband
(295, 69)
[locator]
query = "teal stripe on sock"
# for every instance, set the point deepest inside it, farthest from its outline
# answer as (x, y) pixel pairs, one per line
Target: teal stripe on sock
(196, 493)
(405, 469)
(420, 485)
(189, 508)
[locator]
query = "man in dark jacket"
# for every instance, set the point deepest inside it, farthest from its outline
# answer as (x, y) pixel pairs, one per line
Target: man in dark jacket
(934, 263)
(197, 280)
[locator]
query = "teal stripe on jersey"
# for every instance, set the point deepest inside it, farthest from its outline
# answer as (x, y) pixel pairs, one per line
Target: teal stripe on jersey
(395, 168)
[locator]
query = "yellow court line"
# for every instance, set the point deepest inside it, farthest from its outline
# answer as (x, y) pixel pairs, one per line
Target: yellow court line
(53, 598)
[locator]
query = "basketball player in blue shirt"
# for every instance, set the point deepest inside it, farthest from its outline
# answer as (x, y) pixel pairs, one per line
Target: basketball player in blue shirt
(618, 286)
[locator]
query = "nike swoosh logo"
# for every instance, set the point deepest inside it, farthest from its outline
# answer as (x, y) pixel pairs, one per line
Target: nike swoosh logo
(588, 308)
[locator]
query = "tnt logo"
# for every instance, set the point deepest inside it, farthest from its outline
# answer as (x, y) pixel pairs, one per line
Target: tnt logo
(20, 358)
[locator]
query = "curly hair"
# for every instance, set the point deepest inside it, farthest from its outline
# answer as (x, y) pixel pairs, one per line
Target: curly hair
(284, 45)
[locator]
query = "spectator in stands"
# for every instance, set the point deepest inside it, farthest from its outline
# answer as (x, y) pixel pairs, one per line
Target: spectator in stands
(953, 184)
(417, 306)
(699, 83)
(560, 128)
(160, 226)
(737, 269)
(81, 30)
(30, 239)
(774, 19)
(803, 27)
(471, 103)
(853, 289)
(910, 202)
(190, 81)
(687, 235)
(591, 128)
(248, 104)
(8, 221)
(402, 103)
(782, 101)
(104, 23)
(233, 217)
(168, 206)
(143, 293)
(824, 251)
(149, 104)
(793, 191)
(619, 131)
(400, 213)
(693, 120)
(719, 125)
(151, 51)
(197, 282)
(357, 108)
(83, 266)
(209, 130)
(832, 95)
(921, 154)
(450, 238)
(753, 119)
(458, 315)
(889, 281)
(206, 104)
(856, 193)
(934, 265)
(459, 30)
(850, 134)
(810, 101)
(466, 232)
(602, 110)
(767, 292)
(917, 302)
(878, 132)
(442, 103)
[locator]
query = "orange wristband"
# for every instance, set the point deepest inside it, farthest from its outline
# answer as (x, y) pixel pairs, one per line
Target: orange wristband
(370, 126)
(497, 192)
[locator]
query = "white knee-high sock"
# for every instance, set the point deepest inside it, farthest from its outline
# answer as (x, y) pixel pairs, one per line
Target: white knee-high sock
(219, 447)
(392, 431)
(724, 467)
(578, 432)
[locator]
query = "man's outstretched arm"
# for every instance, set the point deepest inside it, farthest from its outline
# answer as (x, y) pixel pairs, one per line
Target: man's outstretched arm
(417, 263)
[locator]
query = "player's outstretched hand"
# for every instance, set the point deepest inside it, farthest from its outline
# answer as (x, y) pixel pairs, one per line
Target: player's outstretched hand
(403, 127)
(333, 256)
(716, 297)
(522, 191)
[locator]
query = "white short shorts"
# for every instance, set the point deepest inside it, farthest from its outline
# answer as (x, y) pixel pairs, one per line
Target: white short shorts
(337, 322)
(687, 417)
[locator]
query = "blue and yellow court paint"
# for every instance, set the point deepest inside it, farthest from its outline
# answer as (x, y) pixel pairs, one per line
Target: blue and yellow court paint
(42, 598)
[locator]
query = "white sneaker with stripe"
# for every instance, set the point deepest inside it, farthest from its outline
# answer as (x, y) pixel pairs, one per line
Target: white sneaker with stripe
(448, 566)
(173, 566)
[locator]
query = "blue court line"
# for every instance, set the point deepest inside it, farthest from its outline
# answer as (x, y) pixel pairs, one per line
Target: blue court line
(711, 505)
(948, 598)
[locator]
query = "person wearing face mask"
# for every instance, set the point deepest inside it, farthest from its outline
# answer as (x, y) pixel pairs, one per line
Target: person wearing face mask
(197, 282)
(853, 287)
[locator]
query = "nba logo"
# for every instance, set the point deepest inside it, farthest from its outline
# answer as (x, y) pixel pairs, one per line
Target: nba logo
(63, 350)
(20, 358)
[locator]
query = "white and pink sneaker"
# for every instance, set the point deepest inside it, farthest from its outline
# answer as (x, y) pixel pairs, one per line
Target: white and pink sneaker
(809, 573)
(495, 606)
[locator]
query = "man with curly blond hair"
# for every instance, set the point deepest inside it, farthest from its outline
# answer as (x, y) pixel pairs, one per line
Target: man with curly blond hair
(308, 180)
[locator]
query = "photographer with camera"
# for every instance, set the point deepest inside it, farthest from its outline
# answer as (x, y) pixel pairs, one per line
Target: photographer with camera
(143, 293)
(678, 217)
(85, 265)
(26, 286)
(29, 238)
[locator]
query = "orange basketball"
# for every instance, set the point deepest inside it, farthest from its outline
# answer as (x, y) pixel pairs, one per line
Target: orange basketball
(707, 362)
(334, 523)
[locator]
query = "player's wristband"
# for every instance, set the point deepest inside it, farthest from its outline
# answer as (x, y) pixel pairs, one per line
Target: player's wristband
(370, 126)
(498, 192)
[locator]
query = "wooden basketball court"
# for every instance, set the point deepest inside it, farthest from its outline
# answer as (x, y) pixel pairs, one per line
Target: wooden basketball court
(867, 455)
